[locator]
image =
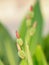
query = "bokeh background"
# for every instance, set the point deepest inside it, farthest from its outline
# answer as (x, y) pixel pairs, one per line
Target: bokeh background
(13, 11)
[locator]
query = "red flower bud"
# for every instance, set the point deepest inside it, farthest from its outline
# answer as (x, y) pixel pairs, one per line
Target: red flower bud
(31, 8)
(17, 35)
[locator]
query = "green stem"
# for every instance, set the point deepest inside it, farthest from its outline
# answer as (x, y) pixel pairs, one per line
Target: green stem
(28, 54)
(27, 50)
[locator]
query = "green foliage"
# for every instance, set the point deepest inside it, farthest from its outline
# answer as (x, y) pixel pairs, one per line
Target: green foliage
(30, 52)
(46, 47)
(8, 51)
(23, 62)
(1, 63)
(40, 56)
(37, 37)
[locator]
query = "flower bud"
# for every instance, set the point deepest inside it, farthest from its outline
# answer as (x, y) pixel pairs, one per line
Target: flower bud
(34, 25)
(28, 22)
(17, 35)
(31, 8)
(31, 14)
(20, 41)
(21, 54)
(18, 47)
(32, 31)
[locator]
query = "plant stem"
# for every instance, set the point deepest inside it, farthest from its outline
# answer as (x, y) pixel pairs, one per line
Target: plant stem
(28, 54)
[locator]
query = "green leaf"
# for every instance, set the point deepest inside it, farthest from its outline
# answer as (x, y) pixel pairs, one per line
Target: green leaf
(35, 60)
(46, 46)
(40, 56)
(23, 62)
(1, 63)
(8, 51)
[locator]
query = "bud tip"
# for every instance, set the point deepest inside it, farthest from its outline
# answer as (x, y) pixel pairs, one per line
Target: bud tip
(31, 8)
(17, 35)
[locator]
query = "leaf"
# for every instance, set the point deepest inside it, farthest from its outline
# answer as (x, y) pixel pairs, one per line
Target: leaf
(46, 46)
(1, 63)
(8, 48)
(35, 60)
(23, 62)
(40, 56)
